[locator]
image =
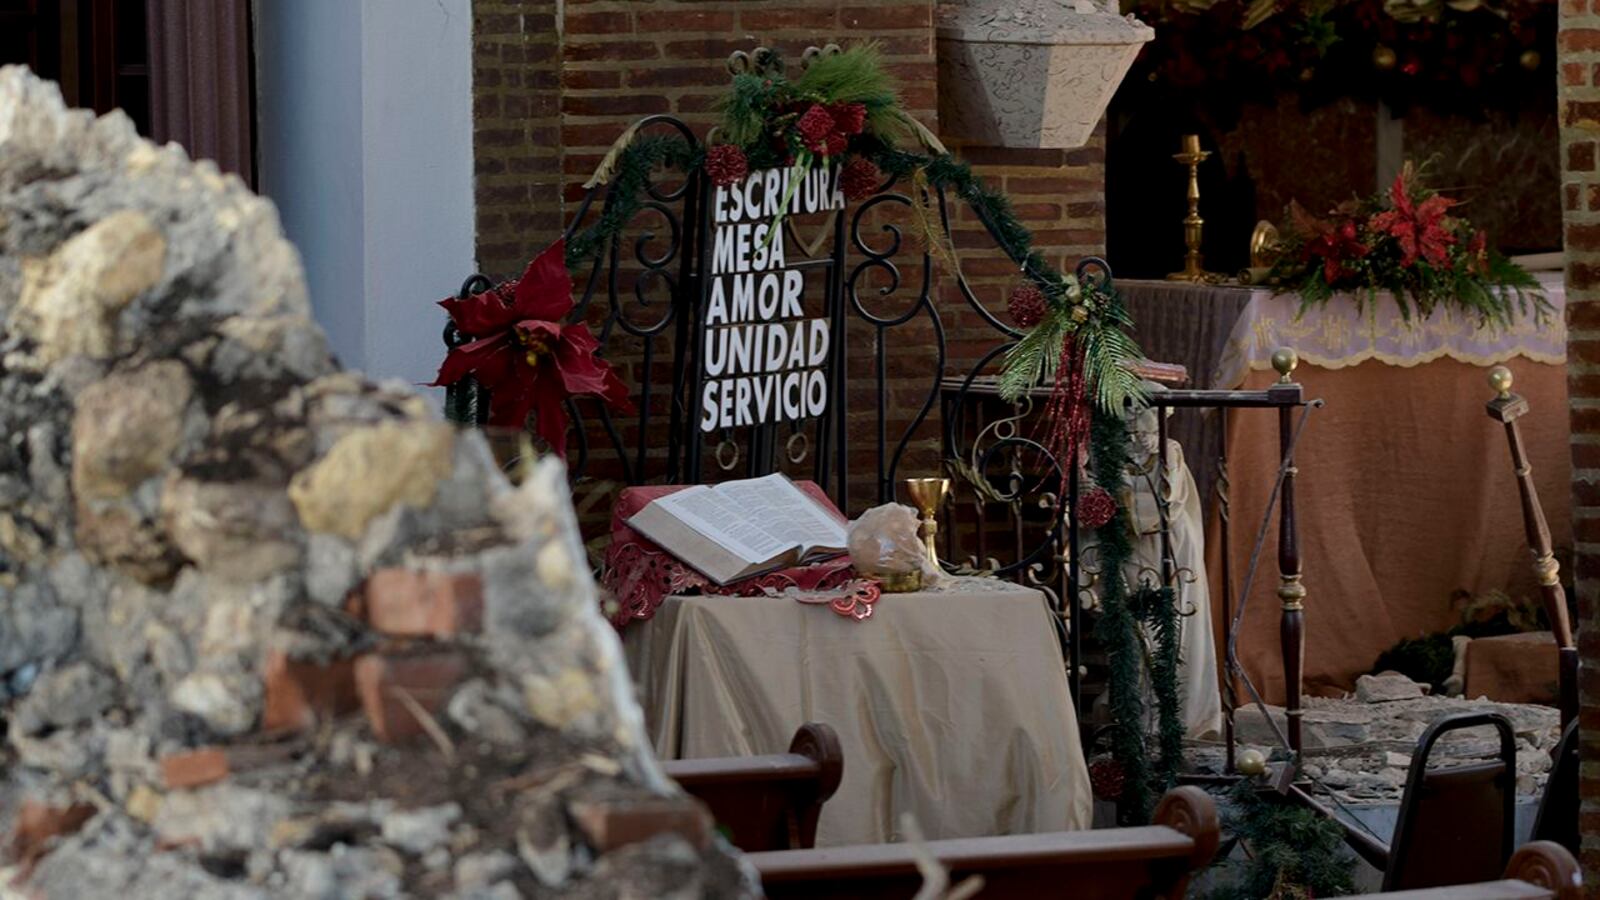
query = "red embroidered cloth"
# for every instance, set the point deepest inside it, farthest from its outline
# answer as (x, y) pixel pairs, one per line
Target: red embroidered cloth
(640, 574)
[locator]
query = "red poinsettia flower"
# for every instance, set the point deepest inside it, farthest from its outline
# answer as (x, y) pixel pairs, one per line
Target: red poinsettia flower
(1419, 228)
(522, 353)
(1334, 243)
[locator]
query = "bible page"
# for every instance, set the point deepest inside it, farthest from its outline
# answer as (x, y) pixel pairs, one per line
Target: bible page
(724, 522)
(785, 512)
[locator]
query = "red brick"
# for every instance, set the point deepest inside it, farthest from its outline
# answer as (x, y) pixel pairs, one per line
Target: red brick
(815, 18)
(625, 104)
(1581, 113)
(587, 79)
(599, 23)
(686, 20)
(1582, 276)
(1572, 74)
(412, 603)
(302, 694)
(875, 18)
(607, 825)
(429, 678)
(1579, 40)
(576, 51)
(38, 823)
(1580, 156)
(194, 768)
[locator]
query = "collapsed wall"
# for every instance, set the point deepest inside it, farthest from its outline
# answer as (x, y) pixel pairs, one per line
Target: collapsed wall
(268, 628)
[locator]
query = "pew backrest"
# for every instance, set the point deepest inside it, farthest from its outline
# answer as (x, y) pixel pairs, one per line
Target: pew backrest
(769, 802)
(1539, 870)
(1108, 864)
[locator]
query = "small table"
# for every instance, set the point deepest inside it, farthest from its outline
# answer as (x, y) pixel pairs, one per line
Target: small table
(951, 704)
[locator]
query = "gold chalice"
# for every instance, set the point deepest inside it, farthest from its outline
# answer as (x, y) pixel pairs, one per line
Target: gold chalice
(927, 494)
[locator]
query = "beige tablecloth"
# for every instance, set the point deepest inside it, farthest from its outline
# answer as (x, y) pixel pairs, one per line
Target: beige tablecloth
(950, 705)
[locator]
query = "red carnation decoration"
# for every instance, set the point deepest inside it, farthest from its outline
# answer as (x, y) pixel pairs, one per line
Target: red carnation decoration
(836, 145)
(1107, 778)
(1096, 508)
(726, 164)
(815, 126)
(860, 179)
(1027, 305)
(849, 118)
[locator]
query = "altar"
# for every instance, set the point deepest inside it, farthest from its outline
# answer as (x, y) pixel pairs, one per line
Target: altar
(950, 705)
(1406, 493)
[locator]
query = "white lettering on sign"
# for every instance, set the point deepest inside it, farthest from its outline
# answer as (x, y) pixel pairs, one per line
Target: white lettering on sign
(764, 360)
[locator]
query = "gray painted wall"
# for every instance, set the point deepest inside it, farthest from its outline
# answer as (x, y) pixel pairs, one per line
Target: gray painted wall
(365, 144)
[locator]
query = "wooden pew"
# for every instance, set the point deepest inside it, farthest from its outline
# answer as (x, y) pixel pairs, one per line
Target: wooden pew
(1109, 864)
(1539, 870)
(768, 802)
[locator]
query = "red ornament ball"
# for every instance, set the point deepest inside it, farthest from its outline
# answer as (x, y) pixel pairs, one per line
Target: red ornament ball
(726, 164)
(815, 126)
(1027, 305)
(1096, 508)
(1107, 778)
(860, 179)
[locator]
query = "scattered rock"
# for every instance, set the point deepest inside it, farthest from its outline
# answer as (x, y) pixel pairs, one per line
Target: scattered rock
(483, 869)
(419, 831)
(371, 470)
(1386, 687)
(70, 301)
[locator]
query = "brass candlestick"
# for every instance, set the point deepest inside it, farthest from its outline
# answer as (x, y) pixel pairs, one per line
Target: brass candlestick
(1192, 156)
(928, 494)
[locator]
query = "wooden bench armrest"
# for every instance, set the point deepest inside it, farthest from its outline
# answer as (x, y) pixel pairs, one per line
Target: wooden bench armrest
(814, 753)
(1490, 890)
(1151, 842)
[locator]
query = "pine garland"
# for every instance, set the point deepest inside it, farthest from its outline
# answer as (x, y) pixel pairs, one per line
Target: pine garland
(626, 193)
(1293, 851)
(1117, 629)
(1157, 608)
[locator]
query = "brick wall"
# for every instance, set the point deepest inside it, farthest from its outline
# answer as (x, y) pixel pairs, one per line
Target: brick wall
(550, 105)
(1579, 52)
(516, 122)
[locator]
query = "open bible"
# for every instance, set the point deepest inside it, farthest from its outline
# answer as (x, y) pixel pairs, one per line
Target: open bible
(737, 529)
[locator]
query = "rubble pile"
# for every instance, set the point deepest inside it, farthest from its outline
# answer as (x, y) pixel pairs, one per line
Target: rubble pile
(268, 628)
(1358, 748)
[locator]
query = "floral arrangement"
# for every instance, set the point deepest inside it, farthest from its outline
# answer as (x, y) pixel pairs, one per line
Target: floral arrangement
(518, 349)
(1455, 53)
(1405, 242)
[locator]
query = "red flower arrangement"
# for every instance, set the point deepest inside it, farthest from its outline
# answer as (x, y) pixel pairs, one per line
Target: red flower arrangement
(520, 352)
(1404, 242)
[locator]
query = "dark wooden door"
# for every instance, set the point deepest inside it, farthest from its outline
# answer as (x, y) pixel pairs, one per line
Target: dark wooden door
(96, 50)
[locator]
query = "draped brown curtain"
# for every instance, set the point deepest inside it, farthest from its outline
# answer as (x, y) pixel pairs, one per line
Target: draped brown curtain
(200, 80)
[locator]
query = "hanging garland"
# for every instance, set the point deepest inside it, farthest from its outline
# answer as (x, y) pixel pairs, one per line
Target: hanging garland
(1074, 336)
(1122, 611)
